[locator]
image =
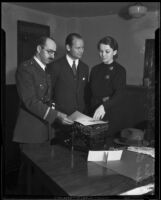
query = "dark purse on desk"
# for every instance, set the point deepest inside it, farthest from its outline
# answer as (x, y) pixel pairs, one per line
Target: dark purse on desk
(91, 137)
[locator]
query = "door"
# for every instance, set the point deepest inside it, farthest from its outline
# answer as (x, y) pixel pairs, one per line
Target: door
(149, 83)
(149, 63)
(27, 34)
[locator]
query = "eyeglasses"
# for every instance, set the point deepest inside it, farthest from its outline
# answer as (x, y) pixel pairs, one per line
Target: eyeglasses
(49, 51)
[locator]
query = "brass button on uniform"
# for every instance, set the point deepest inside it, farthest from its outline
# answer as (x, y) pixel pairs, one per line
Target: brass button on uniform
(41, 86)
(105, 99)
(107, 76)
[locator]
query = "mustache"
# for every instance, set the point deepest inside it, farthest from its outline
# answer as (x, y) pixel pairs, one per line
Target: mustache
(51, 59)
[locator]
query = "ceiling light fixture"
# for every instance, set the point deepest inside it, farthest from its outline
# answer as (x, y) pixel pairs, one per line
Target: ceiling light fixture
(137, 10)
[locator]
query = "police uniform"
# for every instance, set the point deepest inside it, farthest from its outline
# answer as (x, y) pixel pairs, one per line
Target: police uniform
(35, 113)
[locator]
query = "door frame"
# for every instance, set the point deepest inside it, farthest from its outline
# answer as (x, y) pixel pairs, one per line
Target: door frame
(24, 27)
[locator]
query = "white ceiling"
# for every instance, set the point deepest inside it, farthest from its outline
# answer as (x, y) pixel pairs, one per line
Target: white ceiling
(85, 9)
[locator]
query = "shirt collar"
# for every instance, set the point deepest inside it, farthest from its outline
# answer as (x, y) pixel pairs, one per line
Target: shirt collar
(70, 60)
(40, 63)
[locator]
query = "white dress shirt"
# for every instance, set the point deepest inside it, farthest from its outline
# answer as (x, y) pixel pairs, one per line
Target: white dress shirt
(70, 61)
(40, 63)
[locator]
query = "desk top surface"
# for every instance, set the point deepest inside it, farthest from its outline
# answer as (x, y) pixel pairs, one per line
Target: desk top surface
(77, 177)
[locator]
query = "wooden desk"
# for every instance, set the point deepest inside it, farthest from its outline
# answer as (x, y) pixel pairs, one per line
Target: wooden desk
(61, 172)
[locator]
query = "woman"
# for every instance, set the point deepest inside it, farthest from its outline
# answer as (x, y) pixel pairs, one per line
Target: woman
(107, 80)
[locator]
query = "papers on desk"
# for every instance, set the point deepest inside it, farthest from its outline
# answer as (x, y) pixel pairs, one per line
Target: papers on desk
(104, 155)
(131, 164)
(140, 190)
(97, 156)
(84, 119)
(145, 150)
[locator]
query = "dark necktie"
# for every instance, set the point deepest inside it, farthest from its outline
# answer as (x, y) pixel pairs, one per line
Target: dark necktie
(74, 68)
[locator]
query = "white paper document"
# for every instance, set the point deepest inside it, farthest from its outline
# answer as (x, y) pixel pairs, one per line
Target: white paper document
(114, 155)
(140, 190)
(84, 119)
(104, 155)
(97, 156)
(145, 150)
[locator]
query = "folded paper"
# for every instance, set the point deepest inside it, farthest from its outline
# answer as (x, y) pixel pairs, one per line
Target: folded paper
(114, 155)
(134, 165)
(97, 156)
(84, 119)
(104, 155)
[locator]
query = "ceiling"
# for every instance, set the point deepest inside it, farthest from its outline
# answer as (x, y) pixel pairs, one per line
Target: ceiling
(84, 9)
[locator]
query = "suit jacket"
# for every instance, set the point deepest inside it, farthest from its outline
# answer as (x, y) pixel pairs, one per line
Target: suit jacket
(35, 114)
(69, 91)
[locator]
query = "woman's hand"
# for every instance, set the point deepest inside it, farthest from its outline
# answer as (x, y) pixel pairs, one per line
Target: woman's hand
(99, 113)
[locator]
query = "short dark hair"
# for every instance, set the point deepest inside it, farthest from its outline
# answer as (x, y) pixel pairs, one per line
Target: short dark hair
(109, 41)
(70, 38)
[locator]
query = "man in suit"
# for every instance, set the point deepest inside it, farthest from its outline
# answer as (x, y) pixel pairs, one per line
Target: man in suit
(69, 77)
(69, 87)
(37, 111)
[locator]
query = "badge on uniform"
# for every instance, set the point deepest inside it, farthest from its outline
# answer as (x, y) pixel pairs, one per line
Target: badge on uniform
(83, 78)
(107, 76)
(41, 86)
(111, 68)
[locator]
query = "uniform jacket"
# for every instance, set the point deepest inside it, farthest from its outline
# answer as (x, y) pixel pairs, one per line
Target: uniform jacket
(35, 114)
(69, 91)
(107, 84)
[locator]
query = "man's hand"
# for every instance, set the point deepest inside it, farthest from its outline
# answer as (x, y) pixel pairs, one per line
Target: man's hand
(99, 113)
(53, 105)
(63, 119)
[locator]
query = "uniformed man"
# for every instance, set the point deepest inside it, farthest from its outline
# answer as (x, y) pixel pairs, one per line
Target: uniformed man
(37, 112)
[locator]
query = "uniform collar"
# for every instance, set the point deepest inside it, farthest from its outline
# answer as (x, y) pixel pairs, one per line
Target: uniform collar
(40, 63)
(70, 60)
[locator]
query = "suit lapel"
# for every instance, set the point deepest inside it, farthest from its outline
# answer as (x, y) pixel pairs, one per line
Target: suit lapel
(80, 71)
